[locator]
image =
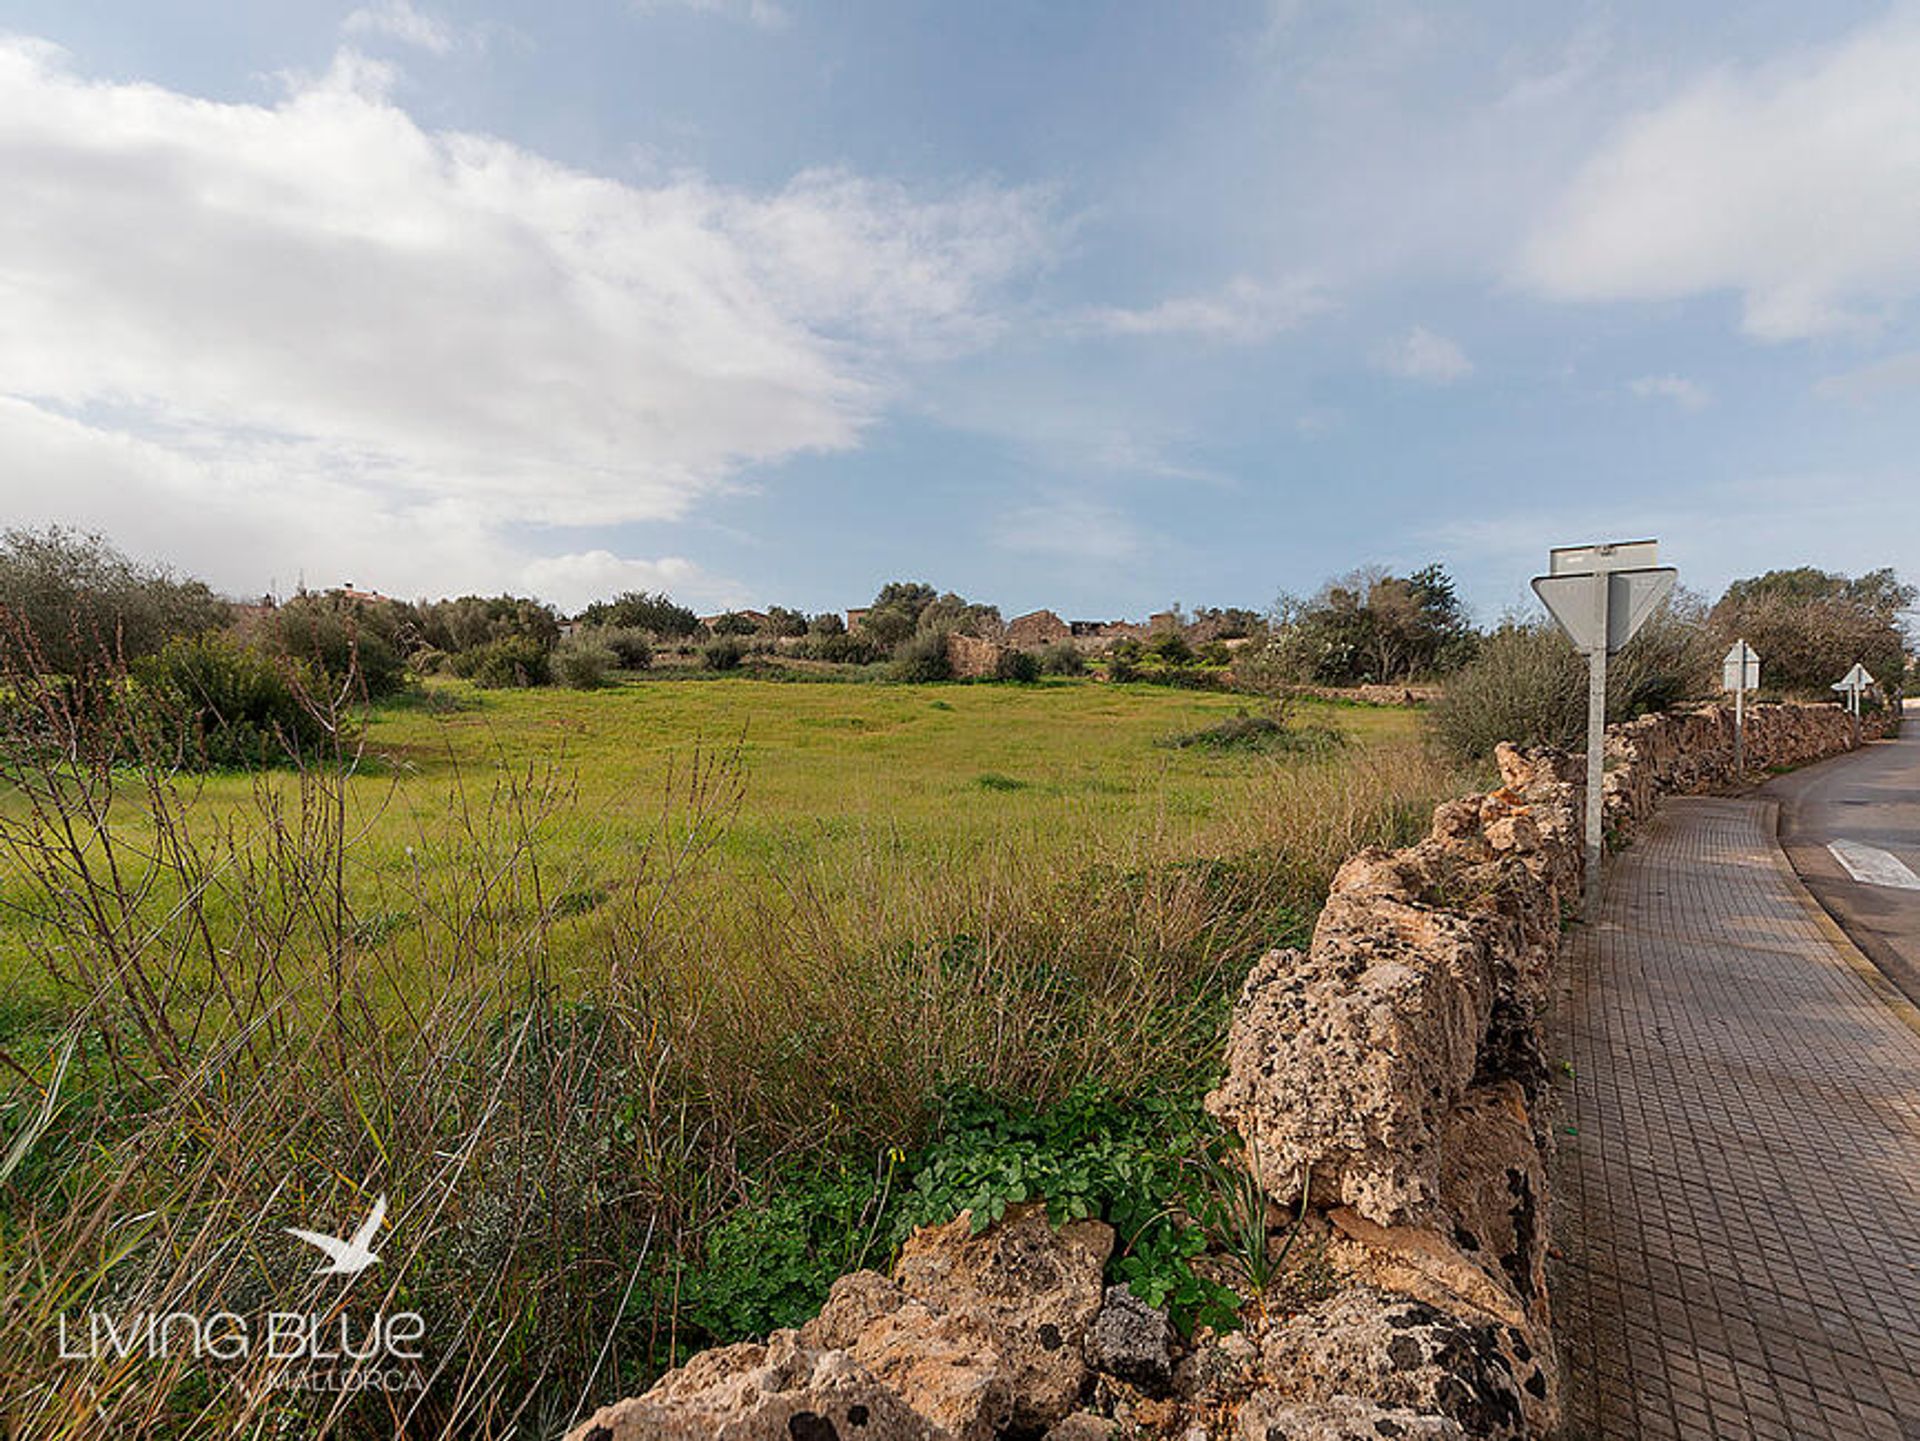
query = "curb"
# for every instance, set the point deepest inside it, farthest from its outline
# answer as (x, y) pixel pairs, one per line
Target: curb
(1857, 960)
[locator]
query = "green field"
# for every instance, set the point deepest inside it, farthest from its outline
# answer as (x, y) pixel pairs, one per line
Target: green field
(854, 786)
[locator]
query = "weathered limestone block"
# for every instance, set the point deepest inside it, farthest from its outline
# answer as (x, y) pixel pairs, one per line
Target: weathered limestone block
(1484, 1260)
(1267, 1417)
(1398, 1352)
(1034, 1290)
(1132, 1341)
(946, 1367)
(782, 1391)
(1343, 1061)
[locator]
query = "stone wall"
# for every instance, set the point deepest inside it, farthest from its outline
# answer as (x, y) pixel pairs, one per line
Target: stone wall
(1389, 1082)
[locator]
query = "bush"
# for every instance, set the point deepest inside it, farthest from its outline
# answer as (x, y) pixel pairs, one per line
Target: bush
(429, 660)
(583, 667)
(840, 648)
(82, 602)
(1062, 659)
(733, 623)
(1271, 730)
(1171, 648)
(922, 658)
(724, 653)
(224, 704)
(658, 615)
(1529, 685)
(629, 644)
(511, 663)
(473, 621)
(1017, 665)
(342, 638)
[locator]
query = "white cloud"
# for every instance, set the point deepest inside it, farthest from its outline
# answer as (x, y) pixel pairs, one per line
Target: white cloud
(1424, 356)
(1795, 184)
(320, 310)
(1895, 375)
(1687, 394)
(398, 20)
(1244, 312)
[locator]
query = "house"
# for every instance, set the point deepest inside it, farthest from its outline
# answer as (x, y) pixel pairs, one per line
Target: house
(1036, 629)
(857, 616)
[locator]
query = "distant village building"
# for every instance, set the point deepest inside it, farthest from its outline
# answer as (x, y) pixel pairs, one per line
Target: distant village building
(1036, 629)
(1163, 621)
(857, 617)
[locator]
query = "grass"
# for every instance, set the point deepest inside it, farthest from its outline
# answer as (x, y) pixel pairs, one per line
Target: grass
(603, 989)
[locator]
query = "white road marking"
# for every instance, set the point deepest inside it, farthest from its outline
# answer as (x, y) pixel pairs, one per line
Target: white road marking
(1873, 866)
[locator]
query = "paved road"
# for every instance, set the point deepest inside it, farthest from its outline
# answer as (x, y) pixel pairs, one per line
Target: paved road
(1867, 806)
(1738, 1204)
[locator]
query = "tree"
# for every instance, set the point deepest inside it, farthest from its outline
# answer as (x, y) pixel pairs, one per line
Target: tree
(785, 623)
(343, 638)
(473, 621)
(80, 600)
(895, 613)
(1372, 625)
(655, 613)
(1810, 625)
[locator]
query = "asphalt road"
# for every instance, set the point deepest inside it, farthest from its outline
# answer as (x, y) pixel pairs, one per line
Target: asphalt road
(1851, 827)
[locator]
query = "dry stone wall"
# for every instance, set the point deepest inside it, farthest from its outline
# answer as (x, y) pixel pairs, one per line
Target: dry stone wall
(1391, 1077)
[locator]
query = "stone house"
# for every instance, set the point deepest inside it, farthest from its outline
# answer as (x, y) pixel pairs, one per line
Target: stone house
(1036, 629)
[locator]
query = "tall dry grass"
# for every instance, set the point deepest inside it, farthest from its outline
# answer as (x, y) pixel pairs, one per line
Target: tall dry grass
(261, 1032)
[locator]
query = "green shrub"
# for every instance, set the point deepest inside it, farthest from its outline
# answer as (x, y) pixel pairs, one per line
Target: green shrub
(472, 621)
(1063, 658)
(922, 658)
(840, 647)
(657, 614)
(430, 660)
(224, 704)
(1529, 686)
(343, 638)
(723, 653)
(81, 602)
(1272, 730)
(631, 648)
(511, 663)
(1017, 665)
(1171, 648)
(582, 667)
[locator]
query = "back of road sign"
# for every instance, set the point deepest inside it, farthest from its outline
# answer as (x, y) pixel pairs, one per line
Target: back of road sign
(1741, 668)
(1632, 596)
(1586, 559)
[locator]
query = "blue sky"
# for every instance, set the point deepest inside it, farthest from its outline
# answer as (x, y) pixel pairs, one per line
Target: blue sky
(1092, 307)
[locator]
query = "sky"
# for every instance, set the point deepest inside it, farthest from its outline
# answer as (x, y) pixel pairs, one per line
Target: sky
(1100, 308)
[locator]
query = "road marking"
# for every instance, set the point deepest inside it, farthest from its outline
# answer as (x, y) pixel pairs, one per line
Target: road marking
(1873, 866)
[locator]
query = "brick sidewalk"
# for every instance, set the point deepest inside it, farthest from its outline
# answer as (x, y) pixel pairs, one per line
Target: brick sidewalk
(1739, 1208)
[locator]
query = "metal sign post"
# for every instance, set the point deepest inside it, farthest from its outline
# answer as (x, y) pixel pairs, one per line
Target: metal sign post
(1851, 685)
(1601, 595)
(1740, 673)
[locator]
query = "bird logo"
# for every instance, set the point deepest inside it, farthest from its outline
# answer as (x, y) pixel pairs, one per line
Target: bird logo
(352, 1256)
